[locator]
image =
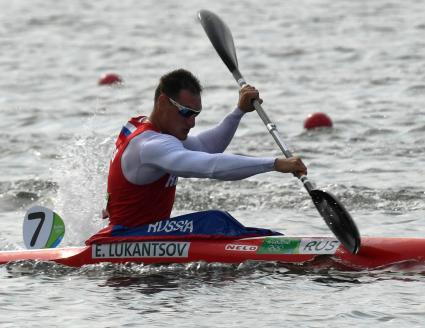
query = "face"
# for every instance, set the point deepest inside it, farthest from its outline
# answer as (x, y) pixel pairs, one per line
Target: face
(173, 122)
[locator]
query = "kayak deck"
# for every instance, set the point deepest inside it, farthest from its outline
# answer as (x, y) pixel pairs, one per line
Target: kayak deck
(375, 252)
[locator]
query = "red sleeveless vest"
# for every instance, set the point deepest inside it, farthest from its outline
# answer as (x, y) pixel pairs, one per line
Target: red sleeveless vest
(131, 205)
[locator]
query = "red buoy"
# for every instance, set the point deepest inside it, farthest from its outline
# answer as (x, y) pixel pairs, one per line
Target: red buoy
(317, 120)
(109, 79)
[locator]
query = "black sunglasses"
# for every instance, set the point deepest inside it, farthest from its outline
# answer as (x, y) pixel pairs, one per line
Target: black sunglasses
(183, 110)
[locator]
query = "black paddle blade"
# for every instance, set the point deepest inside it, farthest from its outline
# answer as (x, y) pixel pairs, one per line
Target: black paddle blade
(338, 219)
(220, 37)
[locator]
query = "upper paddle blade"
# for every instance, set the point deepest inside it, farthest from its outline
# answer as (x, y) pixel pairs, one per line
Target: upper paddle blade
(338, 219)
(220, 37)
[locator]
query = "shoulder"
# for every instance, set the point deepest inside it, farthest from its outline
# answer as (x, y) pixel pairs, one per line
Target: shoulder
(155, 141)
(155, 137)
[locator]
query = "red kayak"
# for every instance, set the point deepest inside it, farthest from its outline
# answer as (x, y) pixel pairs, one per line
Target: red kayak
(376, 252)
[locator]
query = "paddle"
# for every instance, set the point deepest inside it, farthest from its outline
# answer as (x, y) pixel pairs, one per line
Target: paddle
(335, 215)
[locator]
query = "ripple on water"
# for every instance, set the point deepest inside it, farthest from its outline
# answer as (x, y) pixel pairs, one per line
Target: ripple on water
(18, 194)
(270, 194)
(394, 201)
(415, 90)
(322, 269)
(251, 194)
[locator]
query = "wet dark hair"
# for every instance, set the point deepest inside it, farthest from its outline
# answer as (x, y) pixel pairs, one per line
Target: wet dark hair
(173, 82)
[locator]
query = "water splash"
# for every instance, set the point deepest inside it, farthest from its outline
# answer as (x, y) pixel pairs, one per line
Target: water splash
(81, 179)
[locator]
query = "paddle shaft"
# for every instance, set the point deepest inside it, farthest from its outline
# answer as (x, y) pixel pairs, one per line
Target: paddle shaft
(271, 127)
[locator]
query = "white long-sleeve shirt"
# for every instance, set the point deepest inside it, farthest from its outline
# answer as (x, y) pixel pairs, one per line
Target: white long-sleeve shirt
(150, 155)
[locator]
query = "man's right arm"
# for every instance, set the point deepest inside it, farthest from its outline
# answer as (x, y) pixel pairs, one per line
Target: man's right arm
(151, 155)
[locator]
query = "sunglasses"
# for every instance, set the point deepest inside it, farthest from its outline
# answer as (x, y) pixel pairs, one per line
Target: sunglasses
(183, 110)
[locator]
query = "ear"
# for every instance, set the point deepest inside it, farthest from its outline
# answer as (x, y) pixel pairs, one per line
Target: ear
(162, 99)
(162, 104)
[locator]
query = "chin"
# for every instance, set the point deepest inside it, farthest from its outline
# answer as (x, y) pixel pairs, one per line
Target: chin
(183, 136)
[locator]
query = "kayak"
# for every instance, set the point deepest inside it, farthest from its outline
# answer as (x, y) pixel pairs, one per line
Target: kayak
(209, 236)
(376, 252)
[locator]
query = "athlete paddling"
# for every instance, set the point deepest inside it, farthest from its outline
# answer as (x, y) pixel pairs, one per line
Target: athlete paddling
(152, 152)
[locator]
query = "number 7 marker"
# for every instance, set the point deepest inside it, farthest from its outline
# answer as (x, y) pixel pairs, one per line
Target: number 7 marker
(42, 228)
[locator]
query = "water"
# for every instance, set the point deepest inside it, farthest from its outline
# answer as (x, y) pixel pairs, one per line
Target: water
(360, 62)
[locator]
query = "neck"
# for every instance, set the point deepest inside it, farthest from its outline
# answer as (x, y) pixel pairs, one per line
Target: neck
(154, 118)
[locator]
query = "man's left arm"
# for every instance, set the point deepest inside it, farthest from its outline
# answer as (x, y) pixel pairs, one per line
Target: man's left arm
(217, 139)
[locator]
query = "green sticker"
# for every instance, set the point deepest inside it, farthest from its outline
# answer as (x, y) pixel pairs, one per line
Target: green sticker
(57, 233)
(280, 246)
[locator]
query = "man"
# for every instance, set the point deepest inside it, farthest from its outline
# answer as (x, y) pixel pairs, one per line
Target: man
(153, 151)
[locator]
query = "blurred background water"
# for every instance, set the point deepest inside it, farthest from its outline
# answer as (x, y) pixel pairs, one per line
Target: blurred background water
(360, 62)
